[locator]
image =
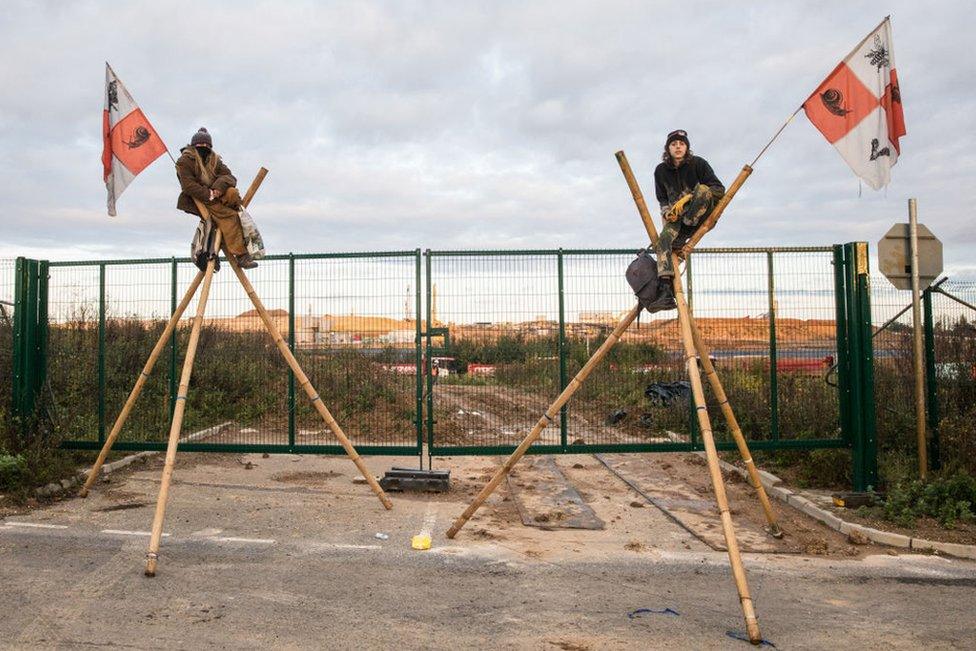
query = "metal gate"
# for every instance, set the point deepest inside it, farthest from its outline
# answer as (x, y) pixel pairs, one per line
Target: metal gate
(470, 369)
(350, 318)
(789, 330)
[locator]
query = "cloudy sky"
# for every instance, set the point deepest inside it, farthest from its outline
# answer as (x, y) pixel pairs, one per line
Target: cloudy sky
(472, 125)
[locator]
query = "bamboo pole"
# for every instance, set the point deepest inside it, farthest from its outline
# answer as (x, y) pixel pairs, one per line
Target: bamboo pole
(635, 191)
(306, 384)
(740, 441)
(152, 555)
(717, 211)
(703, 352)
(704, 423)
(140, 382)
(549, 417)
(154, 355)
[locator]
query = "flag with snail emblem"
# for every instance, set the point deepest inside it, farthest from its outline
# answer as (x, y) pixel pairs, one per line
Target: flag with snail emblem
(858, 108)
(130, 143)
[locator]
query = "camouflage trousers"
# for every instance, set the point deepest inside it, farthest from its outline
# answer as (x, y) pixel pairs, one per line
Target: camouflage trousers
(675, 234)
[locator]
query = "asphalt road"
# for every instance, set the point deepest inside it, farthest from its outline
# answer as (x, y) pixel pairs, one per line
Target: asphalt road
(257, 562)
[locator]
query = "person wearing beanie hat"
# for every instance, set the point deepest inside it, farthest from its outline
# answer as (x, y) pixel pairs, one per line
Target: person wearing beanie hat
(204, 176)
(687, 189)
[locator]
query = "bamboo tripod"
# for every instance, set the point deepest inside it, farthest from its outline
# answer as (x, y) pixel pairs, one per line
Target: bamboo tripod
(695, 347)
(205, 278)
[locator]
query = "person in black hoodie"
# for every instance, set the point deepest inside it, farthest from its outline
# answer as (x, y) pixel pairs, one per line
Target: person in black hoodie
(687, 190)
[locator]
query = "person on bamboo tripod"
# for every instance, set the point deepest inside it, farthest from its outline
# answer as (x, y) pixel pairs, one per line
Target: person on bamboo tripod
(687, 190)
(204, 176)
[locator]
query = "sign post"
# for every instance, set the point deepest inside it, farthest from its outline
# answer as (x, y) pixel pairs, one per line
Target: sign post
(910, 256)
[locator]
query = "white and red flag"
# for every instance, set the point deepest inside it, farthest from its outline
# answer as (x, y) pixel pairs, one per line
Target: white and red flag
(858, 108)
(130, 142)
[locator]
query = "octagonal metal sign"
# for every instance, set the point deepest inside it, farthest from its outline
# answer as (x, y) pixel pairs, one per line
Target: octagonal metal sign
(895, 256)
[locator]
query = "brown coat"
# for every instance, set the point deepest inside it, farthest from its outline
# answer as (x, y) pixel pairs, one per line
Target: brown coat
(198, 178)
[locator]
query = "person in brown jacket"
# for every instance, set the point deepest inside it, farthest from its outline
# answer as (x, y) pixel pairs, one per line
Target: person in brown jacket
(204, 176)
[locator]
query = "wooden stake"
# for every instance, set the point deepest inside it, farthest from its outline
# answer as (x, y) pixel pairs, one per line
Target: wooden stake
(140, 382)
(306, 384)
(704, 423)
(174, 431)
(549, 417)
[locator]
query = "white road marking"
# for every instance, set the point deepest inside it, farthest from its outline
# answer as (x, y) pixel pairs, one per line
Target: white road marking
(123, 532)
(430, 519)
(36, 525)
(346, 546)
(325, 545)
(263, 541)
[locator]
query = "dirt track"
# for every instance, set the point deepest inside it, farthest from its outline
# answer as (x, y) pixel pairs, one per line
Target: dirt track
(500, 415)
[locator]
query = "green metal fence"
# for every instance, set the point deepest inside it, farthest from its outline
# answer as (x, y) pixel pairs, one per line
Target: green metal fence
(350, 319)
(7, 296)
(949, 312)
(510, 328)
(463, 348)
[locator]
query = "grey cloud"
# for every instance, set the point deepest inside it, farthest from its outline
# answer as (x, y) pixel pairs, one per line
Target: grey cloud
(396, 125)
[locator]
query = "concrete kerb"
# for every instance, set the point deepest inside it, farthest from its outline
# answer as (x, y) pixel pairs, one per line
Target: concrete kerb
(68, 483)
(774, 488)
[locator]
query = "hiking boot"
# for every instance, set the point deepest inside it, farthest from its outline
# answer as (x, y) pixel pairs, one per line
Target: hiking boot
(665, 295)
(245, 261)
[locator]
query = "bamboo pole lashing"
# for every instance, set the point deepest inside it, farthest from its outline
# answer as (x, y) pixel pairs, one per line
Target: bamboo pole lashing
(140, 382)
(711, 454)
(306, 384)
(546, 419)
(152, 555)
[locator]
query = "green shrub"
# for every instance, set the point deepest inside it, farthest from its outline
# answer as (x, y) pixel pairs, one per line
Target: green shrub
(950, 499)
(12, 470)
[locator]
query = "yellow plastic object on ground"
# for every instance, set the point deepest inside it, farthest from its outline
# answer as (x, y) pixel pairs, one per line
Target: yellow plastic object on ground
(420, 541)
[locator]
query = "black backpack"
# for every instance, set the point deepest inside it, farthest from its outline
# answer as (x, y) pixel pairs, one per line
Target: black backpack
(642, 276)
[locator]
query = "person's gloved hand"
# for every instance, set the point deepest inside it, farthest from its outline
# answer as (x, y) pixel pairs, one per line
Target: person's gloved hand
(674, 212)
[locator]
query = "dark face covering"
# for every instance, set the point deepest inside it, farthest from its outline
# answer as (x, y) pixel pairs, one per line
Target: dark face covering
(204, 152)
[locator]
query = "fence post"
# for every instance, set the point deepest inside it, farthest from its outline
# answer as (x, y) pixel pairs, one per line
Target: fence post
(418, 357)
(291, 347)
(20, 358)
(172, 339)
(842, 362)
(101, 352)
(931, 379)
(563, 379)
(773, 362)
(20, 312)
(865, 451)
(425, 363)
(43, 274)
(29, 336)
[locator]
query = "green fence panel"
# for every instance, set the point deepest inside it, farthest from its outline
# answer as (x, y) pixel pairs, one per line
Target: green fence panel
(350, 319)
(522, 323)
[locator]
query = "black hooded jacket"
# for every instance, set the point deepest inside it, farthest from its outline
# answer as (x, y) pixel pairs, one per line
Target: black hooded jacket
(671, 182)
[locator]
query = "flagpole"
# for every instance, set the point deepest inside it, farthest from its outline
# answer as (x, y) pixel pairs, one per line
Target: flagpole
(763, 151)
